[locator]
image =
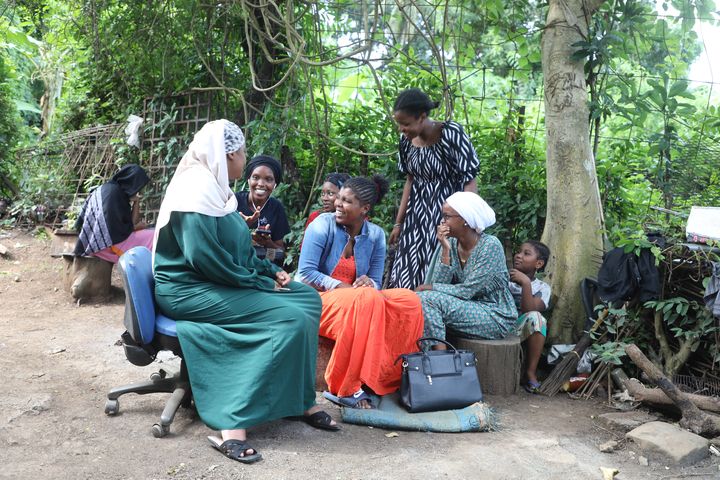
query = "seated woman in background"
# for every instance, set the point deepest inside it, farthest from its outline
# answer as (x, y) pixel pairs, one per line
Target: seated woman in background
(466, 290)
(343, 256)
(329, 190)
(110, 222)
(248, 334)
(261, 211)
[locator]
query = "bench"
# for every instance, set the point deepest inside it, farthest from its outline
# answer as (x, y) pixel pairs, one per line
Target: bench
(499, 363)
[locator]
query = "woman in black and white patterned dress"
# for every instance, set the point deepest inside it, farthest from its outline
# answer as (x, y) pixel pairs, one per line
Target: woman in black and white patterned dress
(439, 160)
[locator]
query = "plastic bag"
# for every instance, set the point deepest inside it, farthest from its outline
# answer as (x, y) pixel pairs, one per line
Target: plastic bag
(557, 352)
(133, 130)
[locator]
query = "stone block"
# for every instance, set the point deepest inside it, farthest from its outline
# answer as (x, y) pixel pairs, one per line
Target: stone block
(625, 421)
(498, 363)
(670, 442)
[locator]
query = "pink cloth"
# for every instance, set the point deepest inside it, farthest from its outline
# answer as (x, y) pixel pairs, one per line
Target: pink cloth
(138, 238)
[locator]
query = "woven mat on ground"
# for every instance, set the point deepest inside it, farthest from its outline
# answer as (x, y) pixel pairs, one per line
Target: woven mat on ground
(390, 414)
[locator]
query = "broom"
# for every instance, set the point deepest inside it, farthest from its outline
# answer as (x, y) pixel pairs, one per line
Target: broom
(568, 366)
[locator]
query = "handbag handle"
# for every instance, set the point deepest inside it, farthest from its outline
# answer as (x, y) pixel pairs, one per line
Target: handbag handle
(434, 339)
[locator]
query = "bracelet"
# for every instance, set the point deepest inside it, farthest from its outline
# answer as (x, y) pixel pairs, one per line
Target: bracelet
(397, 225)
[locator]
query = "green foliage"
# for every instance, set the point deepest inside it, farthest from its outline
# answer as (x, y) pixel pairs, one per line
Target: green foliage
(687, 320)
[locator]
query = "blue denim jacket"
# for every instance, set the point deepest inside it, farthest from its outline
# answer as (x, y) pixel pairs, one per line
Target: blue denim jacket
(322, 247)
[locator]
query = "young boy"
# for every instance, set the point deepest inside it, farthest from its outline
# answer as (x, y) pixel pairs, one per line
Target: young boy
(532, 296)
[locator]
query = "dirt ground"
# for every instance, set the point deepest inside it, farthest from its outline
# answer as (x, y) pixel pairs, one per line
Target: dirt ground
(58, 360)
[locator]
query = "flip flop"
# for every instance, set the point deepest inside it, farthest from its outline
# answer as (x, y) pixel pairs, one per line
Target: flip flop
(234, 449)
(532, 387)
(351, 401)
(321, 420)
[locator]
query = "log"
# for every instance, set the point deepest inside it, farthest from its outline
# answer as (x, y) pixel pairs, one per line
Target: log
(499, 363)
(87, 277)
(325, 348)
(656, 396)
(693, 418)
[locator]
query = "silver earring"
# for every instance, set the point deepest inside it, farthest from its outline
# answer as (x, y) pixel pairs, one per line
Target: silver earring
(465, 224)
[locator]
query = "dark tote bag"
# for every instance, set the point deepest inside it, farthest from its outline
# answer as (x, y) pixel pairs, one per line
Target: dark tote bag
(435, 380)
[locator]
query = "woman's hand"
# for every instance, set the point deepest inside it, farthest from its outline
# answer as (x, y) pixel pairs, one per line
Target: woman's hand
(250, 219)
(394, 234)
(282, 278)
(263, 239)
(363, 281)
(424, 287)
(442, 235)
(343, 285)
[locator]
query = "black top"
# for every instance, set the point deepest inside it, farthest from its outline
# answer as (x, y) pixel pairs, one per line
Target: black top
(273, 214)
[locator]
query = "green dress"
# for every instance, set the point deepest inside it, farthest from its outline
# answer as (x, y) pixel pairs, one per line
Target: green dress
(250, 350)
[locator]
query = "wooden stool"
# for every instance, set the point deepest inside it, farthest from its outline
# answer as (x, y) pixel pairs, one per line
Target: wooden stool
(499, 363)
(325, 348)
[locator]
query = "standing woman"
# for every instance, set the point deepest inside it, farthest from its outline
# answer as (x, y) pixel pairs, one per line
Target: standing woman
(439, 160)
(248, 334)
(110, 222)
(262, 212)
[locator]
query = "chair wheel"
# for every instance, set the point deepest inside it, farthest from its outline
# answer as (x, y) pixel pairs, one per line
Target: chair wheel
(112, 407)
(160, 431)
(157, 376)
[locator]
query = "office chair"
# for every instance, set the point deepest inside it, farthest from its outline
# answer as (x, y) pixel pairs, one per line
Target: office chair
(148, 332)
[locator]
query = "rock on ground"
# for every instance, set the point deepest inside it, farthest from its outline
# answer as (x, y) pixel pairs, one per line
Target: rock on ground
(670, 442)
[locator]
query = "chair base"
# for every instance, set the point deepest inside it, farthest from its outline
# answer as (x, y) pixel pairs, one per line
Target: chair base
(177, 385)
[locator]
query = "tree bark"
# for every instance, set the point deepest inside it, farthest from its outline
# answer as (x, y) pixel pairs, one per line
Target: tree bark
(692, 418)
(656, 396)
(574, 216)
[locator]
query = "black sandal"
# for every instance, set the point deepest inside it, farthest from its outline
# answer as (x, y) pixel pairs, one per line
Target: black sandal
(236, 450)
(321, 420)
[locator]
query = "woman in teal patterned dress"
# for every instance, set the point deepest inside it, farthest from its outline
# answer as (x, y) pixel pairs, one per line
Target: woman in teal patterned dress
(248, 334)
(467, 284)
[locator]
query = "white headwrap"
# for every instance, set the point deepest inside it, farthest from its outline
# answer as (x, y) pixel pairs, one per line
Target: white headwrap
(200, 183)
(473, 209)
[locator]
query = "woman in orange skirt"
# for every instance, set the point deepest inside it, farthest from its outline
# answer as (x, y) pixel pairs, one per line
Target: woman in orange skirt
(343, 256)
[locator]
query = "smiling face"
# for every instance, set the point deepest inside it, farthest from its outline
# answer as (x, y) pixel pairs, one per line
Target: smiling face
(348, 210)
(527, 260)
(327, 196)
(236, 163)
(408, 124)
(261, 183)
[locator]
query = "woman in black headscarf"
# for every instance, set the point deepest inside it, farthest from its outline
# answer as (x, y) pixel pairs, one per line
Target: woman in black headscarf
(110, 222)
(263, 213)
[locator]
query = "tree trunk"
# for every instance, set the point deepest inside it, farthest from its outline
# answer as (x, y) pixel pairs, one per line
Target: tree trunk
(656, 396)
(693, 419)
(574, 216)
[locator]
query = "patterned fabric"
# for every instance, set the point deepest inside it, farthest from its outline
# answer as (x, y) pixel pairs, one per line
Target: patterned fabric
(94, 233)
(529, 323)
(474, 302)
(345, 270)
(233, 137)
(438, 171)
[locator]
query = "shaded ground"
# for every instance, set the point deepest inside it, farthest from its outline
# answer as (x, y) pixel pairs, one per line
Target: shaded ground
(58, 360)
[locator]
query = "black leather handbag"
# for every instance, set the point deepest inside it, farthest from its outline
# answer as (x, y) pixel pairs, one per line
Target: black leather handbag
(435, 380)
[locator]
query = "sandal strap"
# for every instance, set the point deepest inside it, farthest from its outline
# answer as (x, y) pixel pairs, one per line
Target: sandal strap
(232, 445)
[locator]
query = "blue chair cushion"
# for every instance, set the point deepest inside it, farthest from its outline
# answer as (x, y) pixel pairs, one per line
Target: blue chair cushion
(165, 325)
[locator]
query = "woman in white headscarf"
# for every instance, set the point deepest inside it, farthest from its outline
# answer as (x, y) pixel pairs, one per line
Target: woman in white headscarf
(248, 334)
(466, 290)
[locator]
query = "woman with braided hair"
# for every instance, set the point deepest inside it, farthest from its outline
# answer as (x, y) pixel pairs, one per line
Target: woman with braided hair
(439, 160)
(343, 256)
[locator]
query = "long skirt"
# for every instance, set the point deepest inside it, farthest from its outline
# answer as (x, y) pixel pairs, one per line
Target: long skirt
(371, 329)
(138, 238)
(250, 354)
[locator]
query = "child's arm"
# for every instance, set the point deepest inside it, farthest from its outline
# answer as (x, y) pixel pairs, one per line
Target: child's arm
(528, 303)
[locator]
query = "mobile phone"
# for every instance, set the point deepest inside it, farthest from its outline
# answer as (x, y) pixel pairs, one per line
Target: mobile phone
(263, 231)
